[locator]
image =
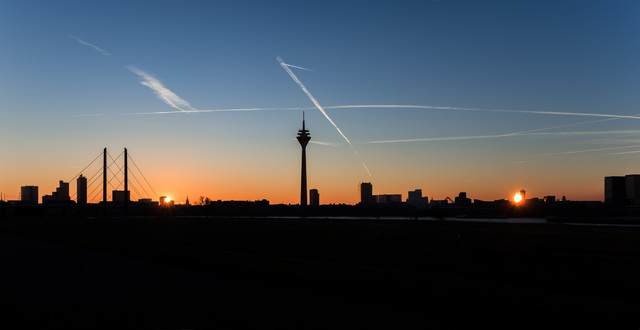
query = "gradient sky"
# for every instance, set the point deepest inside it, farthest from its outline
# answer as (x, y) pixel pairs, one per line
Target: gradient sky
(79, 76)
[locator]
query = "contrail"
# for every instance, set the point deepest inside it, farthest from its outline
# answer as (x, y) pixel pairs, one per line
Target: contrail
(390, 106)
(163, 93)
(557, 113)
(325, 143)
(285, 66)
(589, 150)
(524, 133)
(212, 110)
(82, 42)
(626, 152)
(89, 115)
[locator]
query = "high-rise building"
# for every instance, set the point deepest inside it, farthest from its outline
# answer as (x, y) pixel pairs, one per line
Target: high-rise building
(29, 194)
(615, 190)
(632, 182)
(366, 193)
(81, 191)
(314, 197)
(303, 138)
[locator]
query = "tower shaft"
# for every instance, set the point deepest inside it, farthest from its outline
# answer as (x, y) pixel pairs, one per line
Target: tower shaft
(303, 180)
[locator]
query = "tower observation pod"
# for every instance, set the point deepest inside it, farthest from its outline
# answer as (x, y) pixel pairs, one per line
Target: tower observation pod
(303, 138)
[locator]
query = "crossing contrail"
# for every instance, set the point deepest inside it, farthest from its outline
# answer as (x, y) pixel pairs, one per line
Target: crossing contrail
(297, 67)
(286, 66)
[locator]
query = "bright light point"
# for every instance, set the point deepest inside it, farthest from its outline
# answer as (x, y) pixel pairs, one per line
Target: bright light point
(517, 198)
(167, 199)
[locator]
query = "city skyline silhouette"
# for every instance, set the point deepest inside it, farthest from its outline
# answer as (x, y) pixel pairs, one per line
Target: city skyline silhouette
(440, 96)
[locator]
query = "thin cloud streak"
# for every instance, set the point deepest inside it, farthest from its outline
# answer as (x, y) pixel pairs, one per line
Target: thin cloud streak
(82, 42)
(285, 66)
(163, 93)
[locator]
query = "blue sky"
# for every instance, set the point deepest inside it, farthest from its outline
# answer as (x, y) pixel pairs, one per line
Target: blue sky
(72, 74)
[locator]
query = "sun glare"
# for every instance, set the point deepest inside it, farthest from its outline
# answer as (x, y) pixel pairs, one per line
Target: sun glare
(517, 198)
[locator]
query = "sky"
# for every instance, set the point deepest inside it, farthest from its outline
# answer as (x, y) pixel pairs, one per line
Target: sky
(447, 96)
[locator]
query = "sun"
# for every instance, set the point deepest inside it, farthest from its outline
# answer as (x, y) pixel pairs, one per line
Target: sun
(517, 198)
(167, 199)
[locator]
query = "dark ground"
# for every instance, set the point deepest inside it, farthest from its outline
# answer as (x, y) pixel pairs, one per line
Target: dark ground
(288, 273)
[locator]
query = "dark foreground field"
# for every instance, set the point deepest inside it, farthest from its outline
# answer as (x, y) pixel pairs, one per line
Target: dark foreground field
(286, 273)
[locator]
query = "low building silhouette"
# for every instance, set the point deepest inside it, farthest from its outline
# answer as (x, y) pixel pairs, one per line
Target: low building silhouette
(388, 198)
(120, 196)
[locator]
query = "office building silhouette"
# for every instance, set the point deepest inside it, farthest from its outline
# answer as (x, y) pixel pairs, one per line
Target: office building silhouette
(632, 182)
(81, 192)
(416, 200)
(366, 193)
(303, 138)
(314, 197)
(60, 195)
(120, 196)
(29, 194)
(615, 190)
(462, 199)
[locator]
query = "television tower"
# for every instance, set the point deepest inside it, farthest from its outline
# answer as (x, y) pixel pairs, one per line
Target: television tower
(303, 138)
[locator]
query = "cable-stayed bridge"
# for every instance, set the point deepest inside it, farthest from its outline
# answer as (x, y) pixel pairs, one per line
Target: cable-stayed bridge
(111, 181)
